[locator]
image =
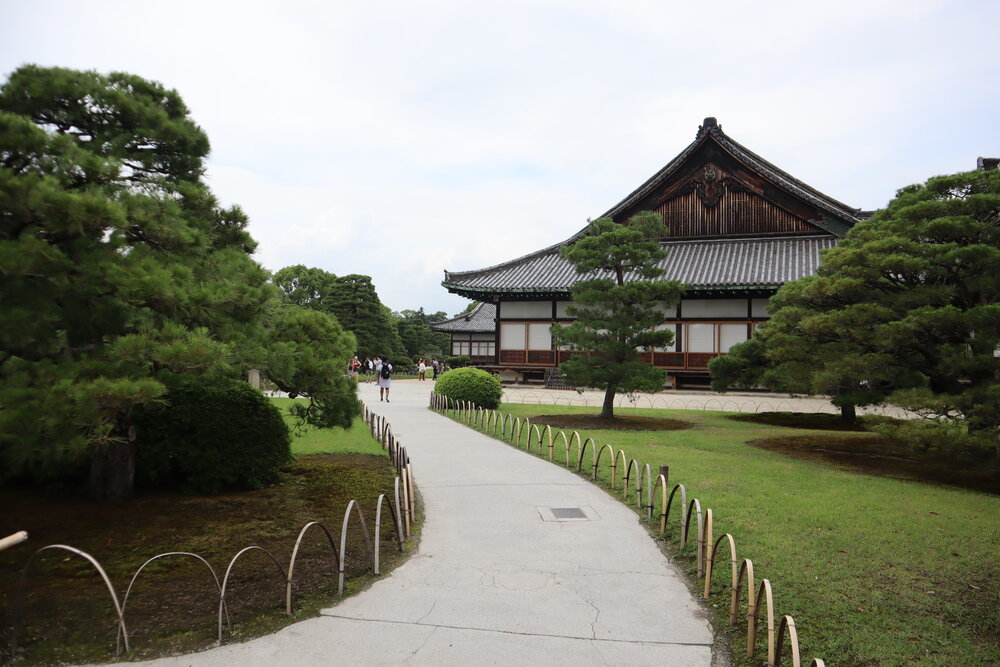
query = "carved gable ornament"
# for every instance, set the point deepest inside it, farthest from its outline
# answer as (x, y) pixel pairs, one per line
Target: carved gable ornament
(710, 185)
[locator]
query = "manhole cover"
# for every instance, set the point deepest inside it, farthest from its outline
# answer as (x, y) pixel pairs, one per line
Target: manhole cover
(582, 513)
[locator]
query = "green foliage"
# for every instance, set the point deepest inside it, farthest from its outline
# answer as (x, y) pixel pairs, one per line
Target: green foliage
(459, 361)
(743, 366)
(418, 337)
(905, 309)
(350, 299)
(471, 384)
(308, 355)
(122, 276)
(207, 437)
(617, 307)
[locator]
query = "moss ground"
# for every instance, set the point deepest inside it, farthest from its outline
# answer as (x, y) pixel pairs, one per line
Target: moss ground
(68, 616)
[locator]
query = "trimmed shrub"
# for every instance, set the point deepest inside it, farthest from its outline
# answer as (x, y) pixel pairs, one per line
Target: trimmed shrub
(471, 384)
(210, 437)
(460, 361)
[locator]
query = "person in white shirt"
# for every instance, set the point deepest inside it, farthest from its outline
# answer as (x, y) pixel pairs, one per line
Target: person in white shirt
(384, 379)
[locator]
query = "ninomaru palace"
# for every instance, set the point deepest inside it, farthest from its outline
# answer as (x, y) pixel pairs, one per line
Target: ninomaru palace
(736, 228)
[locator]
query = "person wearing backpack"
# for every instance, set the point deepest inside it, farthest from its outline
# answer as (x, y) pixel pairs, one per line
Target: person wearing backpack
(384, 380)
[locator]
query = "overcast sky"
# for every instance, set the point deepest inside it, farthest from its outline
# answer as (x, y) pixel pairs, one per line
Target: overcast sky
(398, 139)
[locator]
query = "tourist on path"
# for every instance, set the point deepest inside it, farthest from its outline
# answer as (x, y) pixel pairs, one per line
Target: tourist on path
(421, 369)
(384, 380)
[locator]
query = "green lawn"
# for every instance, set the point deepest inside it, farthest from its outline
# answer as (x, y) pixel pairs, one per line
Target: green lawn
(309, 440)
(875, 571)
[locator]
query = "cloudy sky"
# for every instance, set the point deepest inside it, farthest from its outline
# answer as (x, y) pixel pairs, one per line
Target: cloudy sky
(398, 139)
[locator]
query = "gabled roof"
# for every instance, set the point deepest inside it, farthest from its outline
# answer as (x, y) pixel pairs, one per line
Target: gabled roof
(710, 130)
(737, 261)
(722, 264)
(480, 319)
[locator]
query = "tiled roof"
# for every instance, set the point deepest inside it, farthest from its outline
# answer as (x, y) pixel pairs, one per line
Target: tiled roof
(479, 319)
(759, 263)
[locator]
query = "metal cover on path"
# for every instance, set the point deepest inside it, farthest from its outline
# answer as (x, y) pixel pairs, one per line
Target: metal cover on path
(582, 513)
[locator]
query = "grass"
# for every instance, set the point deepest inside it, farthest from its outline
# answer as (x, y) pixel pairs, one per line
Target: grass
(68, 617)
(875, 571)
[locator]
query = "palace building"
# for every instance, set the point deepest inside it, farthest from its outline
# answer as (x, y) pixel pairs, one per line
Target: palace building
(736, 228)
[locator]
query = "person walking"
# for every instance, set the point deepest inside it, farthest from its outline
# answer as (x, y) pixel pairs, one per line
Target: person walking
(422, 369)
(384, 380)
(434, 368)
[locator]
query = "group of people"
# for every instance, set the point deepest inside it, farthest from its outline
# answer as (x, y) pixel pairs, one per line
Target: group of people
(382, 370)
(434, 365)
(379, 367)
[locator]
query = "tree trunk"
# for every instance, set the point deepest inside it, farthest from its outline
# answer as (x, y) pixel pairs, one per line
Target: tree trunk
(848, 413)
(608, 409)
(112, 471)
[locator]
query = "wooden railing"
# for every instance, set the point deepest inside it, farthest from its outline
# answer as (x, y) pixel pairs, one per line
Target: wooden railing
(671, 360)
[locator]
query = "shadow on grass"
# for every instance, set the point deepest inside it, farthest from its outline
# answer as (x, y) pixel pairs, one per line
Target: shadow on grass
(877, 455)
(620, 423)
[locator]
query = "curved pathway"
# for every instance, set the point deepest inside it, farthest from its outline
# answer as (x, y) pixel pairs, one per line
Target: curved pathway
(497, 579)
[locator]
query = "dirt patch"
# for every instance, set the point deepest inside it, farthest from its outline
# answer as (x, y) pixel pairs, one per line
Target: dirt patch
(68, 616)
(815, 420)
(622, 423)
(876, 455)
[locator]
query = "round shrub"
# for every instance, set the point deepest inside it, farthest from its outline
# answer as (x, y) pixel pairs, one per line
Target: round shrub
(210, 437)
(471, 384)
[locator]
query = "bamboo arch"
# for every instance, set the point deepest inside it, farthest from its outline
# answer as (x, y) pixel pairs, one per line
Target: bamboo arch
(135, 576)
(18, 615)
(295, 553)
(343, 542)
(229, 569)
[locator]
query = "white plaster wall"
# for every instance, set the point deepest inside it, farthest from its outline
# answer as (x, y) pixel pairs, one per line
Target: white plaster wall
(526, 309)
(759, 307)
(709, 308)
(512, 336)
(539, 337)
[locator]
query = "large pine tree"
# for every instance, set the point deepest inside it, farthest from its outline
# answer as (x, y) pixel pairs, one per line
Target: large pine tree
(120, 274)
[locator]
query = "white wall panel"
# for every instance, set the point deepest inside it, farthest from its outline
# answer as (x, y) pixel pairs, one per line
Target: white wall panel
(731, 334)
(512, 336)
(539, 337)
(525, 309)
(711, 308)
(561, 309)
(700, 338)
(760, 307)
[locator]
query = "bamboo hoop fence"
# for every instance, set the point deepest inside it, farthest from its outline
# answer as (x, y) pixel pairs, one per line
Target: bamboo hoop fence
(779, 636)
(401, 510)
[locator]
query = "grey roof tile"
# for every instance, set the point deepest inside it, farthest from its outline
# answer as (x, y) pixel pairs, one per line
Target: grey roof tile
(699, 264)
(480, 319)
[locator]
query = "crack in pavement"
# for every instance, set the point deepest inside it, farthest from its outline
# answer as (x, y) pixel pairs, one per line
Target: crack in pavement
(415, 651)
(515, 633)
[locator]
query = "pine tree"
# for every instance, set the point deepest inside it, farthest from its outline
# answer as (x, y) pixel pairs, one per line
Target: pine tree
(119, 271)
(617, 307)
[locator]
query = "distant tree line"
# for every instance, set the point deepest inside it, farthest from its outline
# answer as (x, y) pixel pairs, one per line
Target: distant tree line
(403, 336)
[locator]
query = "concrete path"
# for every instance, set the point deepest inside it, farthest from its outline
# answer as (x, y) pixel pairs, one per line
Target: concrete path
(497, 580)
